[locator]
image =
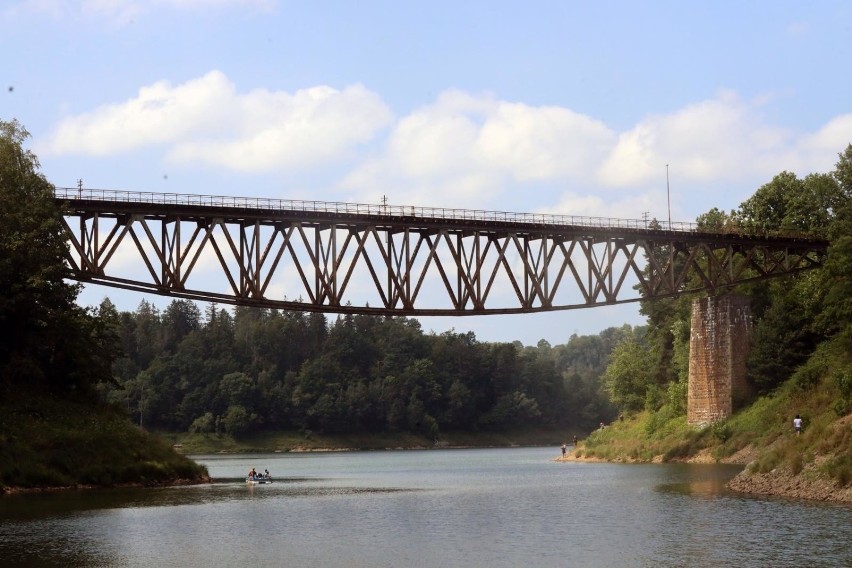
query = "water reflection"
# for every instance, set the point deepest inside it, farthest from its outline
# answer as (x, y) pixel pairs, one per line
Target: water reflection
(699, 480)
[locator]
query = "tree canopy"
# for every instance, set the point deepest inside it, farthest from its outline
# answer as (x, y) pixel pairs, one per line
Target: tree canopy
(253, 369)
(48, 341)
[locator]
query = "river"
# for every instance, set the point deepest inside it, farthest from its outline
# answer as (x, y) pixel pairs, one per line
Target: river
(432, 508)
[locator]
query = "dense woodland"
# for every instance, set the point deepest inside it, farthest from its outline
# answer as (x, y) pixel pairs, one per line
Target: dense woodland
(248, 369)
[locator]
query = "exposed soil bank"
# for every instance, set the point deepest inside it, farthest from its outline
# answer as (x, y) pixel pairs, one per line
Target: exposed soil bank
(780, 482)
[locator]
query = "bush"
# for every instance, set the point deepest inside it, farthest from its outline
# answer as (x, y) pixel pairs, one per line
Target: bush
(796, 463)
(721, 431)
(840, 468)
(768, 461)
(843, 380)
(203, 424)
(810, 373)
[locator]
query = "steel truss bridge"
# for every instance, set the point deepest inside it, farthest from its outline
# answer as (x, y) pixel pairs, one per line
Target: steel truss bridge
(395, 260)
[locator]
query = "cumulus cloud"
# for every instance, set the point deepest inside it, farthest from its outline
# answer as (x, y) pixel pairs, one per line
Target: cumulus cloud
(819, 150)
(463, 149)
(720, 139)
(205, 120)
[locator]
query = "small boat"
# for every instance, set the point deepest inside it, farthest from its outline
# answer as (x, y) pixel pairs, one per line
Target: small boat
(258, 480)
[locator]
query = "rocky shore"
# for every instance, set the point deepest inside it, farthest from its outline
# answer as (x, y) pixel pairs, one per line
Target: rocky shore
(781, 482)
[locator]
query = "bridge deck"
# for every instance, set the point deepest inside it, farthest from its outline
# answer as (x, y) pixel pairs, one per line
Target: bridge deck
(364, 258)
(151, 205)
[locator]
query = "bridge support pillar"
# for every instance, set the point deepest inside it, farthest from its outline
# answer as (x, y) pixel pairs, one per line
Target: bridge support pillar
(718, 347)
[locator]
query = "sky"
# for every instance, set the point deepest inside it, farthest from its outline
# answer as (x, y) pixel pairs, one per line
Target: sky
(611, 108)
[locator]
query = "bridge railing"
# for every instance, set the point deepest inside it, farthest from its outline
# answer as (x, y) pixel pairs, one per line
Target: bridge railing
(301, 205)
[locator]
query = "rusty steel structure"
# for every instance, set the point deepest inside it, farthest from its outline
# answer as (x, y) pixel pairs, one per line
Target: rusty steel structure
(395, 260)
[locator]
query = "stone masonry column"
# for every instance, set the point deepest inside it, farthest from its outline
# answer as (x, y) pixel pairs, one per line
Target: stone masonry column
(719, 342)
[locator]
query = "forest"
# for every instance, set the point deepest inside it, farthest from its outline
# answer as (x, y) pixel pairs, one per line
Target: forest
(244, 370)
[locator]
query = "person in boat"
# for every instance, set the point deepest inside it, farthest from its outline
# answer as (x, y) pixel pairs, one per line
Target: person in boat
(252, 474)
(266, 474)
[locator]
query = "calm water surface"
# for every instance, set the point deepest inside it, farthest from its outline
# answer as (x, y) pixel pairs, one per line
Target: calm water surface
(438, 508)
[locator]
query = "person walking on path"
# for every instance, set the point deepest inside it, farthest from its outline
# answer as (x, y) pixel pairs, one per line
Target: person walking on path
(797, 425)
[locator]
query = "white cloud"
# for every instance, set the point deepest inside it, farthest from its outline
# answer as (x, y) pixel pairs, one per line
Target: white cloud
(462, 150)
(118, 13)
(721, 139)
(205, 120)
(477, 151)
(631, 206)
(542, 143)
(821, 148)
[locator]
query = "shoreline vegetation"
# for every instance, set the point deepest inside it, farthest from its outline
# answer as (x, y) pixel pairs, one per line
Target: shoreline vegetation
(284, 442)
(51, 444)
(816, 465)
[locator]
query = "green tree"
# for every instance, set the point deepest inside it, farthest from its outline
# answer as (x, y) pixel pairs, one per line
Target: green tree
(204, 424)
(237, 420)
(629, 375)
(47, 339)
(181, 318)
(789, 204)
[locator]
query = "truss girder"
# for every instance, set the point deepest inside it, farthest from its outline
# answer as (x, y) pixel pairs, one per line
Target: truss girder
(404, 267)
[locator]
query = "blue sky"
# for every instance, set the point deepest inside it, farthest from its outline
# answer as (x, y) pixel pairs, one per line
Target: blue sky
(558, 107)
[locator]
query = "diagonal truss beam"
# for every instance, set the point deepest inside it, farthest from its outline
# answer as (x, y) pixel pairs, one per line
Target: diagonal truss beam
(403, 265)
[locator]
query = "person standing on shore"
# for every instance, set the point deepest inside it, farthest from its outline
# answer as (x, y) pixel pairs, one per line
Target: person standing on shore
(564, 448)
(797, 424)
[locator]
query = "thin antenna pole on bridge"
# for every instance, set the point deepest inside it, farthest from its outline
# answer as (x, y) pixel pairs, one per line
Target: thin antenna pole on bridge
(668, 197)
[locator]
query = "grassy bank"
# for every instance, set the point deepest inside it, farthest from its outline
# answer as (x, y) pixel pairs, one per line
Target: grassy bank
(50, 442)
(760, 435)
(297, 441)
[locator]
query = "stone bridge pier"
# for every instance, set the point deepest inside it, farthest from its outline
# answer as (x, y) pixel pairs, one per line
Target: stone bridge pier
(719, 342)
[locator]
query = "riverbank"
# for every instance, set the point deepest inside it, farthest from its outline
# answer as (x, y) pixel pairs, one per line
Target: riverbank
(811, 483)
(812, 466)
(52, 443)
(274, 442)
